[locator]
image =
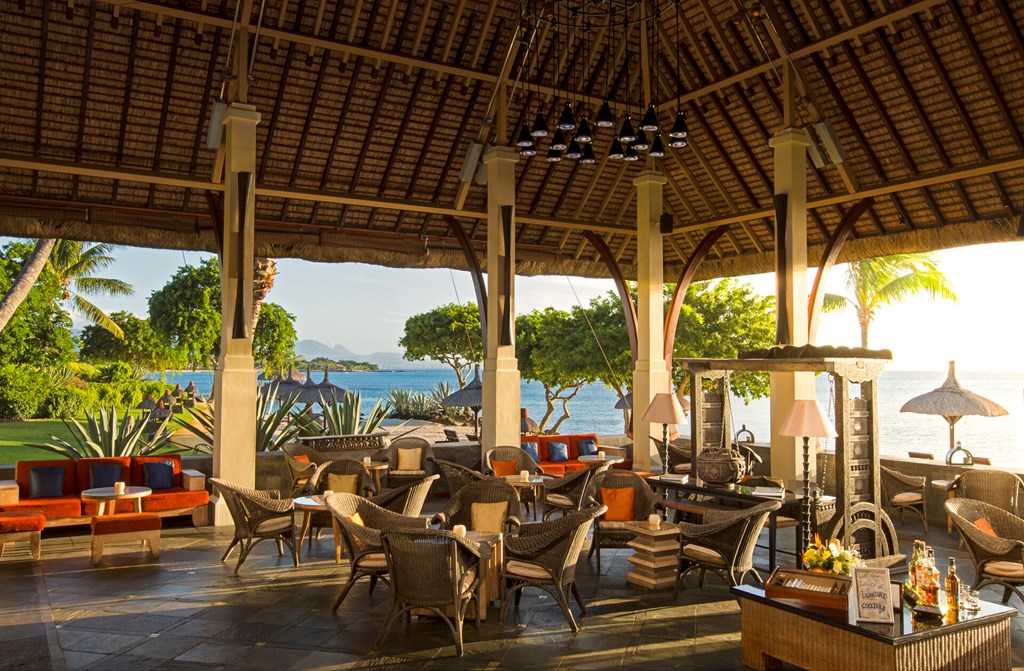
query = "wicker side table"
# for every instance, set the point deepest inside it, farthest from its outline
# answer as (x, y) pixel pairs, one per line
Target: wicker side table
(654, 561)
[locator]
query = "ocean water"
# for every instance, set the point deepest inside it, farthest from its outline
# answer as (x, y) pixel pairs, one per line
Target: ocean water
(593, 408)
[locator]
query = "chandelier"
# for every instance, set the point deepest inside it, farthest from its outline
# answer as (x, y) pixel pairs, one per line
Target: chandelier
(573, 24)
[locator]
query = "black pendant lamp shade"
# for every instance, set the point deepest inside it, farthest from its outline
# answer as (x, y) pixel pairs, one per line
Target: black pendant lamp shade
(565, 121)
(641, 143)
(524, 139)
(588, 154)
(540, 126)
(627, 133)
(558, 141)
(605, 118)
(650, 121)
(574, 150)
(583, 134)
(657, 149)
(631, 154)
(677, 142)
(554, 156)
(679, 127)
(616, 149)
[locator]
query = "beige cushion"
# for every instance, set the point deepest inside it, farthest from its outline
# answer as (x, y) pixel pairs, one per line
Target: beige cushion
(907, 497)
(398, 472)
(1005, 569)
(526, 570)
(612, 525)
(349, 484)
(273, 524)
(703, 555)
(409, 458)
(559, 500)
(373, 560)
(488, 516)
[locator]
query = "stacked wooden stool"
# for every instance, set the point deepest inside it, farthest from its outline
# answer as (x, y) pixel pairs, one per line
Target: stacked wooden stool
(125, 528)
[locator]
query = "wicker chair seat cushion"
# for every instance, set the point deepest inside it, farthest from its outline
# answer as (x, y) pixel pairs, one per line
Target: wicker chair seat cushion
(488, 516)
(783, 522)
(372, 561)
(410, 459)
(559, 500)
(348, 484)
(502, 468)
(611, 525)
(702, 554)
(986, 526)
(527, 570)
(272, 525)
(1005, 569)
(412, 472)
(907, 497)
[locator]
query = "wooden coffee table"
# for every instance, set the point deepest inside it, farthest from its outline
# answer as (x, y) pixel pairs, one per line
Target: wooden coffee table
(308, 505)
(104, 494)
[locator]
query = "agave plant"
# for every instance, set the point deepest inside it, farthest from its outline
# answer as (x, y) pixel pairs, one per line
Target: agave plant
(274, 426)
(103, 436)
(344, 417)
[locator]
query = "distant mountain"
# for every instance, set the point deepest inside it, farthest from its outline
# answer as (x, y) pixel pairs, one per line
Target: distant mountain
(310, 349)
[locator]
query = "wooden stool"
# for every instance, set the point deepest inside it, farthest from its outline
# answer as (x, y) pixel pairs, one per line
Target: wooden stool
(123, 528)
(21, 525)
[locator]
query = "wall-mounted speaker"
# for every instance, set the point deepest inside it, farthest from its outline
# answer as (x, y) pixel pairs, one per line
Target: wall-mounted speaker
(666, 223)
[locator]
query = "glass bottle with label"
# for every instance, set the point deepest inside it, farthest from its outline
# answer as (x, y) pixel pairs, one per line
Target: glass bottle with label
(952, 588)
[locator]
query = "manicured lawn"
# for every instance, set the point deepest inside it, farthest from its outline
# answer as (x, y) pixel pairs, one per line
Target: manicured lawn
(15, 437)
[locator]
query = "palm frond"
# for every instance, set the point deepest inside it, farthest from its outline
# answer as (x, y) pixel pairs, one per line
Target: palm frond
(96, 315)
(835, 302)
(103, 285)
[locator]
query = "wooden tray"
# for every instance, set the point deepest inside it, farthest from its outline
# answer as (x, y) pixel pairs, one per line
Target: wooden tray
(835, 598)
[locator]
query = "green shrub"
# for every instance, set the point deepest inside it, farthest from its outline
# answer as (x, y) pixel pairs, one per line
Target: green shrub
(22, 390)
(118, 371)
(64, 403)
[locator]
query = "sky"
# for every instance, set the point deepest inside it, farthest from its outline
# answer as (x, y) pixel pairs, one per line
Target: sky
(364, 307)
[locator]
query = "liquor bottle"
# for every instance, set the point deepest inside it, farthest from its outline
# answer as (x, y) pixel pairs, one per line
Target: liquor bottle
(952, 588)
(915, 562)
(920, 569)
(930, 582)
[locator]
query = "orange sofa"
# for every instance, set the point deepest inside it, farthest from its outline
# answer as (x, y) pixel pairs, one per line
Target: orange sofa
(572, 442)
(187, 496)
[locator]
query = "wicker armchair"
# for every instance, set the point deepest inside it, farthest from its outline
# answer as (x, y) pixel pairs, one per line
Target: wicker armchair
(613, 534)
(997, 488)
(459, 510)
(258, 516)
(408, 499)
(431, 569)
(320, 483)
(300, 466)
(724, 543)
(397, 477)
(999, 559)
(679, 456)
(904, 492)
(456, 476)
(523, 462)
(574, 490)
(544, 555)
(363, 540)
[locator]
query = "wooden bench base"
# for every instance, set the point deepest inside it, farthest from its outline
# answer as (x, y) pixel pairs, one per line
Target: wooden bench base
(151, 537)
(31, 536)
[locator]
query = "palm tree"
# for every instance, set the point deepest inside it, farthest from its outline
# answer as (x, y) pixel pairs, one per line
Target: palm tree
(885, 280)
(75, 265)
(25, 280)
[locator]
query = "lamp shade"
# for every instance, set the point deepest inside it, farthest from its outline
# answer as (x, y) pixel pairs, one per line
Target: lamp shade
(665, 409)
(807, 420)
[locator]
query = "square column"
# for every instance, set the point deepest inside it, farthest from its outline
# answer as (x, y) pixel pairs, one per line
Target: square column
(790, 145)
(501, 369)
(650, 374)
(234, 389)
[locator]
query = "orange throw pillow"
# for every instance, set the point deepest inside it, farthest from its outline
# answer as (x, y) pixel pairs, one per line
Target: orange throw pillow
(620, 504)
(985, 525)
(301, 457)
(502, 468)
(356, 518)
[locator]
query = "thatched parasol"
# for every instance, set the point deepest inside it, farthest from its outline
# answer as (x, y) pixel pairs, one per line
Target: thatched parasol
(167, 398)
(146, 405)
(177, 391)
(328, 389)
(306, 393)
(526, 423)
(952, 402)
(471, 396)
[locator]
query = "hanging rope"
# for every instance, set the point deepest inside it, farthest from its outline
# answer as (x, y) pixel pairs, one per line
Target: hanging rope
(597, 340)
(469, 339)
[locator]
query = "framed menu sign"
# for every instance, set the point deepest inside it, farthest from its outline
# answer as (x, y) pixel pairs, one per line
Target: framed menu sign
(872, 598)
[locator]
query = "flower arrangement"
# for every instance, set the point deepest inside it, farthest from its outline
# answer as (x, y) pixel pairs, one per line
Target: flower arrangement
(830, 557)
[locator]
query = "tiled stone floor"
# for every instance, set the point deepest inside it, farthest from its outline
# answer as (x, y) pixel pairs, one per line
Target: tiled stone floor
(187, 611)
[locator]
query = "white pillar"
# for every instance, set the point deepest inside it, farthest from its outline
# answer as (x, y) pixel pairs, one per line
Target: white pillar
(651, 373)
(501, 369)
(234, 389)
(790, 147)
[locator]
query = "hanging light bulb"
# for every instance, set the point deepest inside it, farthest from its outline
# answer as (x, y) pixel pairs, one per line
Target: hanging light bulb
(574, 150)
(641, 143)
(554, 156)
(631, 154)
(627, 134)
(650, 121)
(677, 142)
(540, 126)
(588, 154)
(583, 134)
(524, 139)
(679, 127)
(657, 148)
(565, 121)
(616, 150)
(558, 141)
(528, 151)
(605, 118)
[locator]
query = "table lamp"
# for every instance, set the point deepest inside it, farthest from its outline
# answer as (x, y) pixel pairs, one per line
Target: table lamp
(807, 420)
(665, 409)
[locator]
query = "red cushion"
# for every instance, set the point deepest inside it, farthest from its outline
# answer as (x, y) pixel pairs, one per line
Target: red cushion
(502, 468)
(22, 520)
(91, 507)
(82, 469)
(63, 506)
(620, 503)
(573, 466)
(174, 498)
(138, 477)
(23, 469)
(119, 524)
(986, 526)
(304, 458)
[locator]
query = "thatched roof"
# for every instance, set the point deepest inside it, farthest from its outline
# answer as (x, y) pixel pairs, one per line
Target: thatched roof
(368, 110)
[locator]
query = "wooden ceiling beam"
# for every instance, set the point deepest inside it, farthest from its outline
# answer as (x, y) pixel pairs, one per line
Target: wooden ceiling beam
(353, 27)
(84, 98)
(418, 40)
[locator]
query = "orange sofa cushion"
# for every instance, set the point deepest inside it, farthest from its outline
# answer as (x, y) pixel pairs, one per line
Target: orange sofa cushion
(22, 520)
(138, 477)
(119, 524)
(502, 468)
(82, 469)
(986, 526)
(23, 469)
(174, 498)
(620, 503)
(62, 506)
(556, 469)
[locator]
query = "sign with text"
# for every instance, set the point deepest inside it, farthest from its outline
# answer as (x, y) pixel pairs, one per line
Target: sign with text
(872, 597)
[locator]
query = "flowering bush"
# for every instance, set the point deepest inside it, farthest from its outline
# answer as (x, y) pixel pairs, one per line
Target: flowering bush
(830, 557)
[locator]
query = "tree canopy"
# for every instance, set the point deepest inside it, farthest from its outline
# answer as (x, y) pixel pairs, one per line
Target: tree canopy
(273, 343)
(75, 265)
(186, 312)
(39, 331)
(449, 334)
(141, 346)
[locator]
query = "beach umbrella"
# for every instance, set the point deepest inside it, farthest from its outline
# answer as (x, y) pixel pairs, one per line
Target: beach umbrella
(191, 388)
(952, 402)
(167, 398)
(177, 391)
(290, 384)
(306, 393)
(146, 405)
(328, 388)
(625, 403)
(471, 396)
(526, 423)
